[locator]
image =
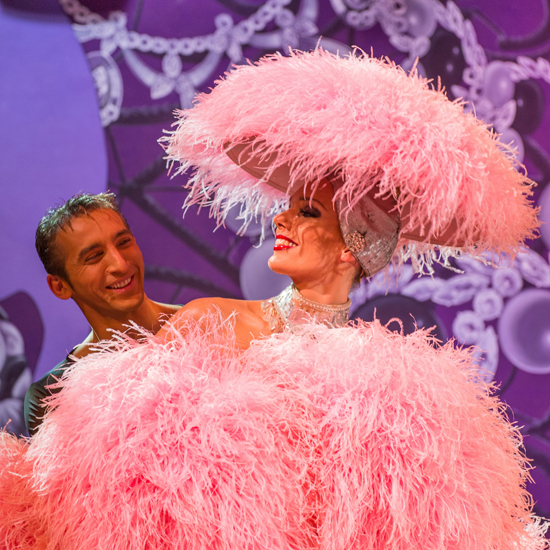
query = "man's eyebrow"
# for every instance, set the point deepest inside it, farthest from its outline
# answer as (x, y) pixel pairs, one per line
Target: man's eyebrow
(312, 199)
(88, 249)
(123, 232)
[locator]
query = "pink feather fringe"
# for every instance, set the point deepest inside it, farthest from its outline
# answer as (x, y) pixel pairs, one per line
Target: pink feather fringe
(373, 123)
(370, 441)
(21, 522)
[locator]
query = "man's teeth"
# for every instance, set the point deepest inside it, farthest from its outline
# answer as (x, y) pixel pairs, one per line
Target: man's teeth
(124, 283)
(284, 242)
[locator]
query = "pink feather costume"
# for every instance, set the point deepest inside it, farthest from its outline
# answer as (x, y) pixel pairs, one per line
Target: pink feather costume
(336, 439)
(369, 440)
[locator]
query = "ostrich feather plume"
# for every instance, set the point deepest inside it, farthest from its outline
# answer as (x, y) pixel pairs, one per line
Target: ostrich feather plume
(371, 124)
(336, 439)
(173, 446)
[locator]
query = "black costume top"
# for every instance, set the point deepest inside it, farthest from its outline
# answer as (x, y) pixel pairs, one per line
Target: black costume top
(34, 406)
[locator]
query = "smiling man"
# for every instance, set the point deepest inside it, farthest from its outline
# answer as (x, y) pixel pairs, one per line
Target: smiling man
(91, 256)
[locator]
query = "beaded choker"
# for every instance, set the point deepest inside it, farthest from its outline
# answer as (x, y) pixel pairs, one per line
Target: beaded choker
(290, 309)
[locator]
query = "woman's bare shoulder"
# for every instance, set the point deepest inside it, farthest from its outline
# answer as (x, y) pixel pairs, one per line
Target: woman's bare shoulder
(196, 309)
(206, 305)
(249, 322)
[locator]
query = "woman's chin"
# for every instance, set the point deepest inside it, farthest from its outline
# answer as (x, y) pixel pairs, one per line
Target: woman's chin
(279, 265)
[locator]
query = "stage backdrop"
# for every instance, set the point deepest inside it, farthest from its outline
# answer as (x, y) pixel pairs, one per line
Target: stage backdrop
(88, 88)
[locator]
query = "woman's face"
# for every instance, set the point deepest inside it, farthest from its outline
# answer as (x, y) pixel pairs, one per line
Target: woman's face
(309, 243)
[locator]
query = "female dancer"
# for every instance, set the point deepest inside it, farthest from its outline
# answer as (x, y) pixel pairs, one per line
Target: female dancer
(311, 250)
(261, 425)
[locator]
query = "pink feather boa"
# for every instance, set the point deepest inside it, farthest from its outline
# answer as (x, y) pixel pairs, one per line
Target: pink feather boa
(343, 439)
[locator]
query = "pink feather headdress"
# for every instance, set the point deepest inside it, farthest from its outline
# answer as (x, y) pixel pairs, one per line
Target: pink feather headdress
(379, 132)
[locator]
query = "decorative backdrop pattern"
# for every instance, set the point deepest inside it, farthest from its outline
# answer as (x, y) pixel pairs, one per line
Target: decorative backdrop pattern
(148, 58)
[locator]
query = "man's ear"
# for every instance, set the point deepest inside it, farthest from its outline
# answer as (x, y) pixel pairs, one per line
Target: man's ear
(59, 287)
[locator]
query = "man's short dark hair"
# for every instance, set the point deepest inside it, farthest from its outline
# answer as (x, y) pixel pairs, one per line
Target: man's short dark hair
(60, 217)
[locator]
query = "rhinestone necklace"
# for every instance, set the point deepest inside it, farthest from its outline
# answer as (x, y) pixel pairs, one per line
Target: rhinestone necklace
(290, 309)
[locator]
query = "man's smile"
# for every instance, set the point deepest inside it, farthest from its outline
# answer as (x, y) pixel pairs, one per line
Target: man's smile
(122, 283)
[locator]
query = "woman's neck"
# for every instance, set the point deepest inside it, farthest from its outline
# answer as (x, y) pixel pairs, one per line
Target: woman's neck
(324, 293)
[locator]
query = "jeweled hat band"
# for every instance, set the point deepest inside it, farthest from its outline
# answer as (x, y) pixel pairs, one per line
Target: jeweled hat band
(370, 227)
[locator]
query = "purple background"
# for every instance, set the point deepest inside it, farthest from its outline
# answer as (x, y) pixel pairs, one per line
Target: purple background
(53, 144)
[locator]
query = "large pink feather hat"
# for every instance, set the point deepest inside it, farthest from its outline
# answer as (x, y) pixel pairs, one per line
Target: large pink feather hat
(414, 175)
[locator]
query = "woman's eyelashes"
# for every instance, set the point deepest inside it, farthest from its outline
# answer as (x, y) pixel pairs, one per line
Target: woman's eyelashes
(309, 212)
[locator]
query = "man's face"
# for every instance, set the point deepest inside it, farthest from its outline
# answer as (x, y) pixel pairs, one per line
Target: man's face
(103, 263)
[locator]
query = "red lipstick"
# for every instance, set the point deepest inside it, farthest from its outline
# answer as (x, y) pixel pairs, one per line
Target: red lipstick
(284, 243)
